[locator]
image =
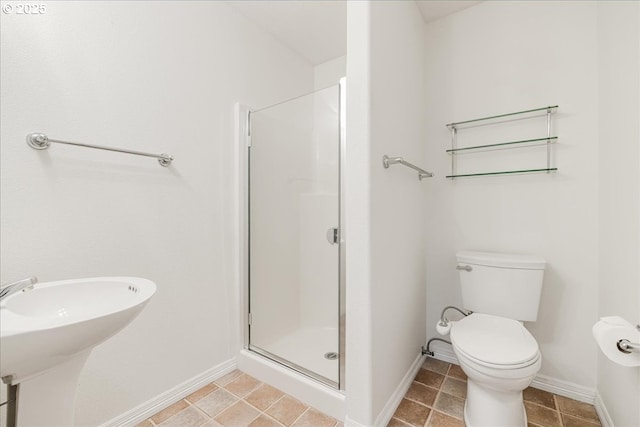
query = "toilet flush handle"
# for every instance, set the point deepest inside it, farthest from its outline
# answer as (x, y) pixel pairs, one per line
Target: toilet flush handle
(464, 267)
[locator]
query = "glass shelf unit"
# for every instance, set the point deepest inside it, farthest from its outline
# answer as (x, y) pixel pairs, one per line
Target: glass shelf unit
(505, 144)
(503, 172)
(459, 125)
(454, 127)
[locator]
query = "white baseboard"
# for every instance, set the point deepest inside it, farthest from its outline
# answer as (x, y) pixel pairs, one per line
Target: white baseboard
(568, 389)
(564, 388)
(444, 352)
(601, 410)
(348, 422)
(392, 404)
(163, 400)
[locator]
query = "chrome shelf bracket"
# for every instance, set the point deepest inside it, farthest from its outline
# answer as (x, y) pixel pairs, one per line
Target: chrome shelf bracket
(388, 161)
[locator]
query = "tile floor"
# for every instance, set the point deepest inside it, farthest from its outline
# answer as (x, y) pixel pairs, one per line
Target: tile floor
(435, 399)
(239, 400)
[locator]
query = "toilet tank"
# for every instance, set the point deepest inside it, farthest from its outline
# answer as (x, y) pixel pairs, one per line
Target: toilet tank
(504, 285)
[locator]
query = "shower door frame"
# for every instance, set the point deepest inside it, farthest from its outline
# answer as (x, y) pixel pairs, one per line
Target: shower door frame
(243, 116)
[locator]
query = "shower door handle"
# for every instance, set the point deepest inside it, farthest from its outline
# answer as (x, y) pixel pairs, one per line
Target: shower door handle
(333, 235)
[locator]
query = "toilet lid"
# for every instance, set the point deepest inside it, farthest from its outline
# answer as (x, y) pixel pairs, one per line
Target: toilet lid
(494, 340)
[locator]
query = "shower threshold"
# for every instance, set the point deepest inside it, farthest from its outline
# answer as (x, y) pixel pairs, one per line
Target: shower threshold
(295, 367)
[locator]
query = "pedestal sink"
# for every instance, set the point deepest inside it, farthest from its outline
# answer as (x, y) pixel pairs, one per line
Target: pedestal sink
(48, 332)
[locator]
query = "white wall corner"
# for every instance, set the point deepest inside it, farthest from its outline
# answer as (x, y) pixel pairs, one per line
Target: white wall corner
(392, 404)
(601, 410)
(169, 397)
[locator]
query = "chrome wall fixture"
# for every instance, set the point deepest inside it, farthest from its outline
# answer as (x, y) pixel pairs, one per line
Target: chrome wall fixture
(40, 141)
(627, 347)
(388, 161)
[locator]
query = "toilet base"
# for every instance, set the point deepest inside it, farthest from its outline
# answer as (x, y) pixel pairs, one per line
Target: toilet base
(486, 407)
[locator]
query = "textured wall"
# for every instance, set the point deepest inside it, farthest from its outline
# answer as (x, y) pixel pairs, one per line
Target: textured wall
(153, 76)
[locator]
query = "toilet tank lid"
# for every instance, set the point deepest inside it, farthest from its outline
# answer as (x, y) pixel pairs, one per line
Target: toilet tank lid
(492, 259)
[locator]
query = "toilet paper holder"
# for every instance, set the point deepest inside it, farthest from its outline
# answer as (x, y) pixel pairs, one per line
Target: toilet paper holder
(628, 347)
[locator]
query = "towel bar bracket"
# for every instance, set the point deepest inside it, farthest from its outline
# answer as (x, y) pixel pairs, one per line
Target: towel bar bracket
(38, 141)
(388, 161)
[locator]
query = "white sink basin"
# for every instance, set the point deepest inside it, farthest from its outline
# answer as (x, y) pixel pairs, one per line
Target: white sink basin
(50, 324)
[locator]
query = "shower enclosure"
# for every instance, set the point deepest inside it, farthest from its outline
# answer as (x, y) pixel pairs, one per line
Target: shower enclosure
(296, 257)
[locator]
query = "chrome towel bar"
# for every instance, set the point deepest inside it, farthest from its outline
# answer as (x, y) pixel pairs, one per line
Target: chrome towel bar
(388, 161)
(40, 141)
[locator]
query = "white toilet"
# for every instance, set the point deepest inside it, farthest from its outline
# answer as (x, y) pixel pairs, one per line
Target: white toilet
(499, 356)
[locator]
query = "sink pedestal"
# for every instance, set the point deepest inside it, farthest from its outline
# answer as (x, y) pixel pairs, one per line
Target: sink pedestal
(47, 333)
(48, 399)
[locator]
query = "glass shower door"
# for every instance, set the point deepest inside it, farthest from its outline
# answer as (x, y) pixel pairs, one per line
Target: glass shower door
(294, 249)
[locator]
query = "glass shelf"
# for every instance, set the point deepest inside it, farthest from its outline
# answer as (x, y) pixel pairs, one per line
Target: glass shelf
(549, 140)
(455, 127)
(504, 172)
(499, 116)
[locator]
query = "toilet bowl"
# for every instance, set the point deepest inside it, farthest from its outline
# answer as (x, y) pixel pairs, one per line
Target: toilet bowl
(501, 358)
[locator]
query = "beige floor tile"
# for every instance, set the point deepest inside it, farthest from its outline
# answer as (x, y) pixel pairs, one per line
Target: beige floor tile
(202, 392)
(438, 419)
(223, 381)
(412, 413)
(429, 378)
(455, 387)
(457, 372)
(214, 403)
(396, 423)
(169, 411)
(540, 397)
(240, 414)
(264, 421)
(577, 409)
(570, 421)
(211, 423)
(242, 385)
(264, 396)
(450, 405)
(145, 423)
(189, 417)
(421, 394)
(436, 365)
(287, 410)
(314, 418)
(542, 416)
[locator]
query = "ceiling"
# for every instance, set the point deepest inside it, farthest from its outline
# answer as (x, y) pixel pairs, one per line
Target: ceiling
(317, 29)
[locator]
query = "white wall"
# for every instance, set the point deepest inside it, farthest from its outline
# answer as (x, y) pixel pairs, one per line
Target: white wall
(329, 73)
(500, 57)
(385, 226)
(357, 186)
(619, 193)
(156, 76)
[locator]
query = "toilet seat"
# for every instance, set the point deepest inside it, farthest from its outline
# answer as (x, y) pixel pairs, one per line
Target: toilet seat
(494, 342)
